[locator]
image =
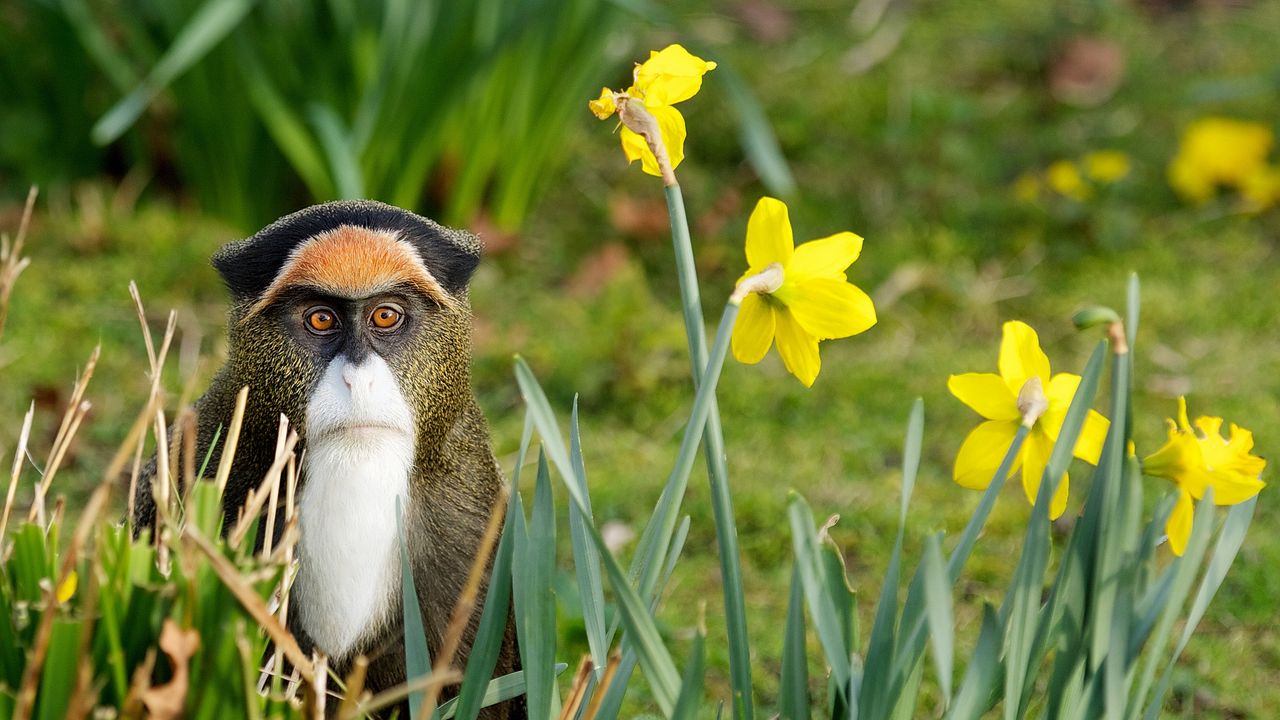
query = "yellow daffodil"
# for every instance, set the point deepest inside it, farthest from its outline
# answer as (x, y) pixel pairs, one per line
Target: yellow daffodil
(815, 301)
(1195, 461)
(669, 76)
(1218, 151)
(1106, 166)
(995, 397)
(1065, 179)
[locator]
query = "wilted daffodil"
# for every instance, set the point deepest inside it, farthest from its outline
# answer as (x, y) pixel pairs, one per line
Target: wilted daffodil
(995, 397)
(669, 76)
(814, 302)
(1195, 461)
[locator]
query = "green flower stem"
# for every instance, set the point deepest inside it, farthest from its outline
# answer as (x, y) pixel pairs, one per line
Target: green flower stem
(717, 471)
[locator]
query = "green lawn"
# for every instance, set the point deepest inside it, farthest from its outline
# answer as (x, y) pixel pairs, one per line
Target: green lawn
(918, 155)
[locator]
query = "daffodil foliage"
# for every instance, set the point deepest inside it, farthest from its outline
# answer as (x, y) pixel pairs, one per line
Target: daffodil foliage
(995, 397)
(1195, 462)
(671, 75)
(815, 301)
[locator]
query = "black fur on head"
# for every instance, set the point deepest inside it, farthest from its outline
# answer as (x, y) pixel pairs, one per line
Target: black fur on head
(248, 266)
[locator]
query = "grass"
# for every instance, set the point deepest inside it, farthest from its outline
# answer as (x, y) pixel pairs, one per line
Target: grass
(918, 156)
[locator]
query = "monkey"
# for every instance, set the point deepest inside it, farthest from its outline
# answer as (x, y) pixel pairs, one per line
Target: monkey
(352, 319)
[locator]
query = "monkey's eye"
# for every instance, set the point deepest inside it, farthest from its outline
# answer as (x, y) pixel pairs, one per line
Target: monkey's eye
(386, 317)
(321, 320)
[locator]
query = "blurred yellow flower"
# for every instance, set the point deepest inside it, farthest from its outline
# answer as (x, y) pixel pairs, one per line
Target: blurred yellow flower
(1261, 188)
(1106, 166)
(1196, 461)
(1065, 179)
(995, 397)
(67, 589)
(815, 302)
(1218, 151)
(669, 76)
(1027, 187)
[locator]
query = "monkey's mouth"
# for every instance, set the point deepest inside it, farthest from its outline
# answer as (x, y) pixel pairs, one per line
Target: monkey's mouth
(365, 429)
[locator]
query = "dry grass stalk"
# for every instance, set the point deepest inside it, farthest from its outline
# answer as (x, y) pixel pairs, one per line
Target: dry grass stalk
(232, 441)
(76, 415)
(602, 688)
(273, 503)
(19, 454)
(355, 689)
(319, 688)
(257, 498)
(578, 691)
(11, 261)
(160, 493)
(391, 696)
(252, 604)
(466, 603)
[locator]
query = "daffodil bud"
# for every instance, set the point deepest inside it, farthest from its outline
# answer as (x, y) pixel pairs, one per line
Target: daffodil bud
(1032, 401)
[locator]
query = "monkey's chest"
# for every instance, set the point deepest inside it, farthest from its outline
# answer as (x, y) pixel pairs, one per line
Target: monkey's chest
(349, 562)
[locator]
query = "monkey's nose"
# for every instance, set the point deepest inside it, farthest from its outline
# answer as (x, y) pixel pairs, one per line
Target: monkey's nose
(357, 381)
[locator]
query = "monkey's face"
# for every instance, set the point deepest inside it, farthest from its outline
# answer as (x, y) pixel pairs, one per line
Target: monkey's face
(352, 318)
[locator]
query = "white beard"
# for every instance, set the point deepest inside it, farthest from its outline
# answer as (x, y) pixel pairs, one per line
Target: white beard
(360, 451)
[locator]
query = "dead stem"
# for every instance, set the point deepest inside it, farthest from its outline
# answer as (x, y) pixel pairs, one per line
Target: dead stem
(257, 498)
(232, 441)
(20, 453)
(11, 261)
(602, 687)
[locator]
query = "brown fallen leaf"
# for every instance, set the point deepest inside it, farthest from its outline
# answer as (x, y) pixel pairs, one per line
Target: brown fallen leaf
(165, 702)
(1087, 71)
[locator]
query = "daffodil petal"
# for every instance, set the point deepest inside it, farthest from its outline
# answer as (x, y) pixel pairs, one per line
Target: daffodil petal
(1234, 488)
(1021, 357)
(1038, 448)
(671, 125)
(1178, 527)
(799, 349)
(671, 75)
(826, 257)
(635, 148)
(769, 238)
(1092, 437)
(603, 106)
(67, 588)
(981, 453)
(827, 308)
(986, 393)
(753, 331)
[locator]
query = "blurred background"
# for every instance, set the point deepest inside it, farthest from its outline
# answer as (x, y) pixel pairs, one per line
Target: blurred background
(1004, 160)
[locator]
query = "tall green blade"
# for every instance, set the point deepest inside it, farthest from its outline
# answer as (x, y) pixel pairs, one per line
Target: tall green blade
(974, 695)
(417, 656)
(586, 561)
(874, 699)
(690, 699)
(793, 700)
(821, 608)
(207, 27)
(538, 645)
(941, 616)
